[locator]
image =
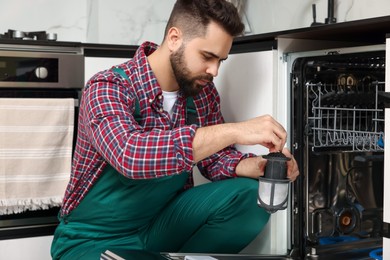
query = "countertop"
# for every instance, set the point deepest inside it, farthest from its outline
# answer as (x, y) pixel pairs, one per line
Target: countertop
(368, 31)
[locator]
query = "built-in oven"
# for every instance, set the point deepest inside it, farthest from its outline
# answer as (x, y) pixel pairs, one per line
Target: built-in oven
(35, 79)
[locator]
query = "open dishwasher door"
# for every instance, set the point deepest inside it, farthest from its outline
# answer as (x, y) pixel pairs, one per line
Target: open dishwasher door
(386, 206)
(338, 123)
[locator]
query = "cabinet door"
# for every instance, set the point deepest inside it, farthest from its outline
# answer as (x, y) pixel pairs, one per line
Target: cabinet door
(95, 64)
(247, 84)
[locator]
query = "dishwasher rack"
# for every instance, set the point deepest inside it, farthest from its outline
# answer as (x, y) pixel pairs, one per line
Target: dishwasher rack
(346, 119)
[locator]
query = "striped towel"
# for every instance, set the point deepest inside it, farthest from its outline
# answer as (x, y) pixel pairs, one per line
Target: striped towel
(36, 137)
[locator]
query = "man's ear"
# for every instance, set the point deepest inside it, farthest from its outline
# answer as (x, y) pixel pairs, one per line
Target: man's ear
(174, 38)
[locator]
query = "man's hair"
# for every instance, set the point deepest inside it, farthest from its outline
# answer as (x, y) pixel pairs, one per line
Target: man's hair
(193, 17)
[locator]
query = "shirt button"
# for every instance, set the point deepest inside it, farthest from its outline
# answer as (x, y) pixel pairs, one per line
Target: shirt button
(150, 100)
(161, 110)
(160, 97)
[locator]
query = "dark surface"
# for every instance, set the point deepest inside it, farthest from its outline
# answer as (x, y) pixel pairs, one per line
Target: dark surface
(365, 31)
(371, 30)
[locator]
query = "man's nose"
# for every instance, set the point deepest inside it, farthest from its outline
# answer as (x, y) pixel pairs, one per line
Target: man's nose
(212, 69)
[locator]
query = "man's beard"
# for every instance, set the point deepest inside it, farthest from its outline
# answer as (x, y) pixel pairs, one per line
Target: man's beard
(187, 84)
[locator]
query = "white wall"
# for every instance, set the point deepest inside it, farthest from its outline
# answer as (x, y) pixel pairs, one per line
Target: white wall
(66, 18)
(128, 21)
(133, 21)
(278, 15)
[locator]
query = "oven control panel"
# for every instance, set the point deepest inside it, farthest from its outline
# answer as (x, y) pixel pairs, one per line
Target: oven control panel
(27, 69)
(41, 69)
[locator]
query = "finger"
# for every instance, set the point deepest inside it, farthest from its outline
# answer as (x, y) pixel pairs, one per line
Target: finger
(280, 132)
(293, 171)
(276, 143)
(286, 152)
(292, 166)
(274, 132)
(276, 123)
(261, 164)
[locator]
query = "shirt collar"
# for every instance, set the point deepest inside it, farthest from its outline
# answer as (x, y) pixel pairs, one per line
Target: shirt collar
(146, 75)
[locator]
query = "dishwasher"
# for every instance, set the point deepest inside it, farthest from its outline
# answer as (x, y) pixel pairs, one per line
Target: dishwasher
(335, 114)
(337, 131)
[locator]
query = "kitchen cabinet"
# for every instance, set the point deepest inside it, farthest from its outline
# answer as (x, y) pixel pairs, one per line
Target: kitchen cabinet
(98, 57)
(96, 64)
(247, 84)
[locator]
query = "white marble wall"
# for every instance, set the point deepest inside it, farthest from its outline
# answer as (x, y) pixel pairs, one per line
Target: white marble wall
(134, 21)
(278, 15)
(128, 21)
(66, 18)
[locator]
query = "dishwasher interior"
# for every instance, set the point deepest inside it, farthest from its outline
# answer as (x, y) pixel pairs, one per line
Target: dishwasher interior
(337, 119)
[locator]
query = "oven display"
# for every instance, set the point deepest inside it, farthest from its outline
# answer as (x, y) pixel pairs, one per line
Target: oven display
(22, 69)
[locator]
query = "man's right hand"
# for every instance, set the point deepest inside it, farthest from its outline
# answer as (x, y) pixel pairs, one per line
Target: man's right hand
(262, 130)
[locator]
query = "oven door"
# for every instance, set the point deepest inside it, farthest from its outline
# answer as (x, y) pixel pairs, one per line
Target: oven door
(40, 76)
(40, 221)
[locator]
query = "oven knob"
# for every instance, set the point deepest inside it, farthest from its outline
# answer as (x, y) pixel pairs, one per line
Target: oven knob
(51, 36)
(41, 72)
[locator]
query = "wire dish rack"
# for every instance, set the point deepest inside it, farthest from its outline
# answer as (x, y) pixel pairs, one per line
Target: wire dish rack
(346, 118)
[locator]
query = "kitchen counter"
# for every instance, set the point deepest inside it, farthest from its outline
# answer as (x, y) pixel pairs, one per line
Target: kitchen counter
(365, 31)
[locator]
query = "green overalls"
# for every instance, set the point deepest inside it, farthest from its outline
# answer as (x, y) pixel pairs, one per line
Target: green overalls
(157, 215)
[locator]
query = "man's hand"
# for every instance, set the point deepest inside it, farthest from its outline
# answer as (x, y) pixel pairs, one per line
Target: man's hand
(254, 167)
(262, 130)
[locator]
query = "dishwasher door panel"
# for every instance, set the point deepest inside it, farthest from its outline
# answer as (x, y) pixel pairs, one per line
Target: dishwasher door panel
(337, 121)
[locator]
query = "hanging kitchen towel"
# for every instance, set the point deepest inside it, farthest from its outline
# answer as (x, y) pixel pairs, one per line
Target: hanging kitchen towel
(36, 137)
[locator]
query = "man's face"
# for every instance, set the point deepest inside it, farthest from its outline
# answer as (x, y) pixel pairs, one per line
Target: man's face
(188, 84)
(196, 62)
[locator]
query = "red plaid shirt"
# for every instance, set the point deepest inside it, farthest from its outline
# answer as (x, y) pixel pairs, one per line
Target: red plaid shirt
(159, 146)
